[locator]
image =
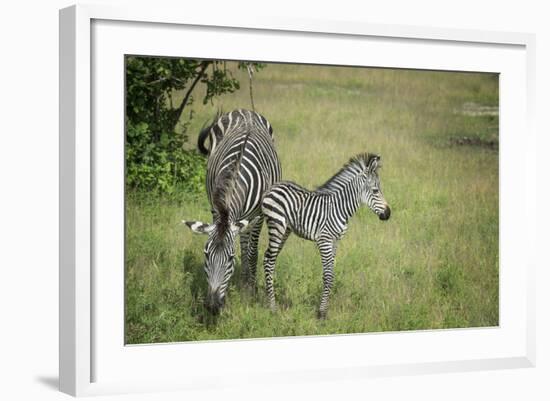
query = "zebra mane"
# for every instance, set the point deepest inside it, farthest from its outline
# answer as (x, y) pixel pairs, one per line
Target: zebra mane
(358, 164)
(220, 200)
(225, 187)
(364, 160)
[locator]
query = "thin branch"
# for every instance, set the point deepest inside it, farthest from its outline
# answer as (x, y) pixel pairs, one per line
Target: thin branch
(250, 74)
(179, 111)
(156, 81)
(162, 79)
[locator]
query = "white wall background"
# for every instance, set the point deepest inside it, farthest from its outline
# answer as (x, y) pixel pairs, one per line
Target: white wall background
(29, 200)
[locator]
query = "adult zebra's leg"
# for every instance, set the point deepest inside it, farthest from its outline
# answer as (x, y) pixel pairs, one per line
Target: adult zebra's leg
(327, 249)
(252, 253)
(278, 233)
(245, 270)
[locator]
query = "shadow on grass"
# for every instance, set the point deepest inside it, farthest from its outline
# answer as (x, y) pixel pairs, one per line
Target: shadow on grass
(195, 267)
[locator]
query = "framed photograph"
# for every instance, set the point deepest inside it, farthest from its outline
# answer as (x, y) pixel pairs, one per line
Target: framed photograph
(290, 200)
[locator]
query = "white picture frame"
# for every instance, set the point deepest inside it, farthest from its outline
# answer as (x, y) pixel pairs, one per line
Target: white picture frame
(93, 360)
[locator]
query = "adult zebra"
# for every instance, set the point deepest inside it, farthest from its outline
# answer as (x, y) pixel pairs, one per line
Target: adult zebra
(242, 165)
(321, 215)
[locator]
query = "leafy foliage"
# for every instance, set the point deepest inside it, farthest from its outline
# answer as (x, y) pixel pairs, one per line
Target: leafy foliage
(156, 126)
(161, 165)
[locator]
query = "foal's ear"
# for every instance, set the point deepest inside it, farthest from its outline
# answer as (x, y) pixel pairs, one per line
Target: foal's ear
(374, 164)
(199, 227)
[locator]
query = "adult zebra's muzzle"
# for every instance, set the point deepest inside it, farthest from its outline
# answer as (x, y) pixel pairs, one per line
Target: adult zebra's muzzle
(214, 301)
(385, 215)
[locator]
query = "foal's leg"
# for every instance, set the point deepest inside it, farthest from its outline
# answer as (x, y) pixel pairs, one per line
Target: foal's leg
(278, 233)
(252, 252)
(327, 249)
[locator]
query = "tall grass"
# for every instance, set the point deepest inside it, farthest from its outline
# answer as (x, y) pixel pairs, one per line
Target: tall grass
(433, 265)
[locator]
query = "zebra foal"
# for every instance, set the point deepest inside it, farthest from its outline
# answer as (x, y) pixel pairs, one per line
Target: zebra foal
(321, 215)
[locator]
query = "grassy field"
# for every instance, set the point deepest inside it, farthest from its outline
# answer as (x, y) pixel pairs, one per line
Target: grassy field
(433, 265)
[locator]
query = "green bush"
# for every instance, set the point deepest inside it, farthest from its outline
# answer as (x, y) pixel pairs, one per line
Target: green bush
(161, 165)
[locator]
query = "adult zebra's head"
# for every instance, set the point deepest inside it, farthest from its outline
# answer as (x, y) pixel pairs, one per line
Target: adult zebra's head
(371, 192)
(219, 257)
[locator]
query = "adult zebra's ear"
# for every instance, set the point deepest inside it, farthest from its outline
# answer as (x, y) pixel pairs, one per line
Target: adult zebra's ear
(199, 227)
(243, 225)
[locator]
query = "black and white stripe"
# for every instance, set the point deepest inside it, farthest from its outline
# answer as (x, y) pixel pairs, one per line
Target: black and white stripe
(321, 215)
(242, 165)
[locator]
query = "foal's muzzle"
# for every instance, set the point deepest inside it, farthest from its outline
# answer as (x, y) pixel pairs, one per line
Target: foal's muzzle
(385, 215)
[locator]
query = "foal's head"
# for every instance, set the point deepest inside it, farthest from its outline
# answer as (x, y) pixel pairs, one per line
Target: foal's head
(371, 192)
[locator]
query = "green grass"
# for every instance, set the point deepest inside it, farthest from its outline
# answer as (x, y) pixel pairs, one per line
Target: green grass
(433, 265)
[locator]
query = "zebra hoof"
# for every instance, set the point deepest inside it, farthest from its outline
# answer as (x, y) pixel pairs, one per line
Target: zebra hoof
(321, 315)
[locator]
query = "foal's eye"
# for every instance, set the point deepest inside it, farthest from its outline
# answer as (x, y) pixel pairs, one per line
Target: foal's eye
(375, 191)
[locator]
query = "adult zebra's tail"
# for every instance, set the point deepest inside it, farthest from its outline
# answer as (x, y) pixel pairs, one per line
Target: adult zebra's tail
(207, 131)
(202, 139)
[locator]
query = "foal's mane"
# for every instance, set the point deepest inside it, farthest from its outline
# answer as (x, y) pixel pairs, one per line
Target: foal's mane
(358, 164)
